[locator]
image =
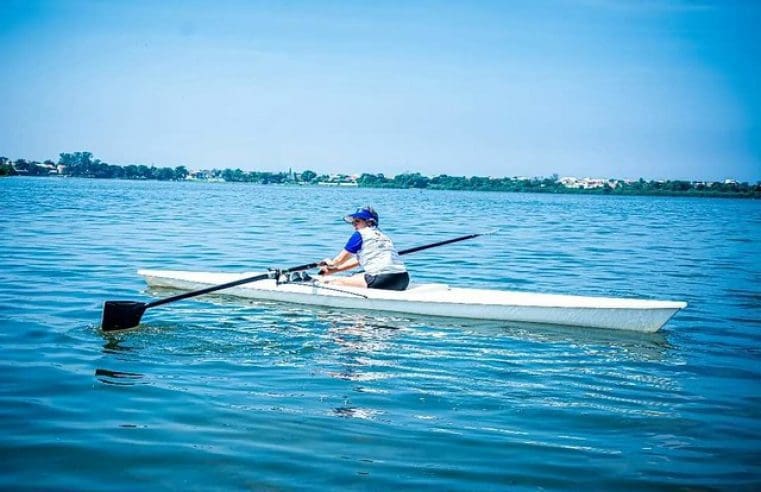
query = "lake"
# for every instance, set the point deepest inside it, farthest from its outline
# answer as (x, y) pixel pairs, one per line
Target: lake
(213, 393)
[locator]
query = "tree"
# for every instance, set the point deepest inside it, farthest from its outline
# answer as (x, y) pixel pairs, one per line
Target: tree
(373, 180)
(77, 163)
(165, 174)
(30, 168)
(307, 176)
(143, 172)
(234, 175)
(410, 180)
(6, 168)
(180, 173)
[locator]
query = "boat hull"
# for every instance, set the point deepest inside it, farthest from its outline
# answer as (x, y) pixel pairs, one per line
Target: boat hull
(443, 300)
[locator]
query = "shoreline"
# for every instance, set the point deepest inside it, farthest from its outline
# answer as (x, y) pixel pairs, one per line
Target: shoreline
(753, 195)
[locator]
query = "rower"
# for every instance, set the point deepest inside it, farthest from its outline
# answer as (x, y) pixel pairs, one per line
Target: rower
(373, 250)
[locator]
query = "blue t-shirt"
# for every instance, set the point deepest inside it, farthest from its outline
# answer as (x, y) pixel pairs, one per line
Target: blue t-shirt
(354, 243)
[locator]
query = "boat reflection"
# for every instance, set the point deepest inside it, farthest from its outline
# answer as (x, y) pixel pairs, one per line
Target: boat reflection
(118, 351)
(358, 339)
(356, 413)
(114, 345)
(381, 356)
(627, 345)
(372, 333)
(365, 328)
(119, 378)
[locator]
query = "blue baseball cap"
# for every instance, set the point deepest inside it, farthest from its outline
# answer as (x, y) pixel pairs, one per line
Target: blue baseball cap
(364, 213)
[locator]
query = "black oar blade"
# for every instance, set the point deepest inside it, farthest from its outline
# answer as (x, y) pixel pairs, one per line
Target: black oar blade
(120, 315)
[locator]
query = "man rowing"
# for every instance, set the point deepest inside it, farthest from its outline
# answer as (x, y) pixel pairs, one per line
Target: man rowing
(371, 249)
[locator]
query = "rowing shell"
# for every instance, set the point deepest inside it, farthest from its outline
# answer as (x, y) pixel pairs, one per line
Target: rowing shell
(442, 300)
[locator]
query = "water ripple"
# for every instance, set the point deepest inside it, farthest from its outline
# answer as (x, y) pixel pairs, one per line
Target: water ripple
(214, 393)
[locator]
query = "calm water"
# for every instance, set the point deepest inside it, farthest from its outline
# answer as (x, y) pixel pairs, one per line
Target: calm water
(218, 394)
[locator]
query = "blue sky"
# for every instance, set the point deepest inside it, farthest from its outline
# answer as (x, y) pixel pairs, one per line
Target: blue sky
(653, 89)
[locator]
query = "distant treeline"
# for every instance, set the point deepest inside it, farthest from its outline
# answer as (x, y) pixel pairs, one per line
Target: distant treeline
(83, 165)
(554, 185)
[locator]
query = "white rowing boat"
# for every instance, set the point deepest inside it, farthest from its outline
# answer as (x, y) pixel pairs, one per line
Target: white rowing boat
(441, 300)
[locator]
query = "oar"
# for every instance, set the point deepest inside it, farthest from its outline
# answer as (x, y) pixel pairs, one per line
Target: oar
(121, 315)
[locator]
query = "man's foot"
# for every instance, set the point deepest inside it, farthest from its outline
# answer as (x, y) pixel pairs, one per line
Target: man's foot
(299, 277)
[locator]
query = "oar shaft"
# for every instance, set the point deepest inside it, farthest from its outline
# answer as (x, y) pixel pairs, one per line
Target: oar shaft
(227, 285)
(206, 290)
(440, 243)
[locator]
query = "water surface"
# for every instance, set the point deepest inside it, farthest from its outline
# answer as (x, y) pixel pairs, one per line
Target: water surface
(214, 393)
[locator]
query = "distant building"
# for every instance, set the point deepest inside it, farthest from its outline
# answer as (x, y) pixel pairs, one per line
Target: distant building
(198, 175)
(587, 183)
(569, 182)
(341, 180)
